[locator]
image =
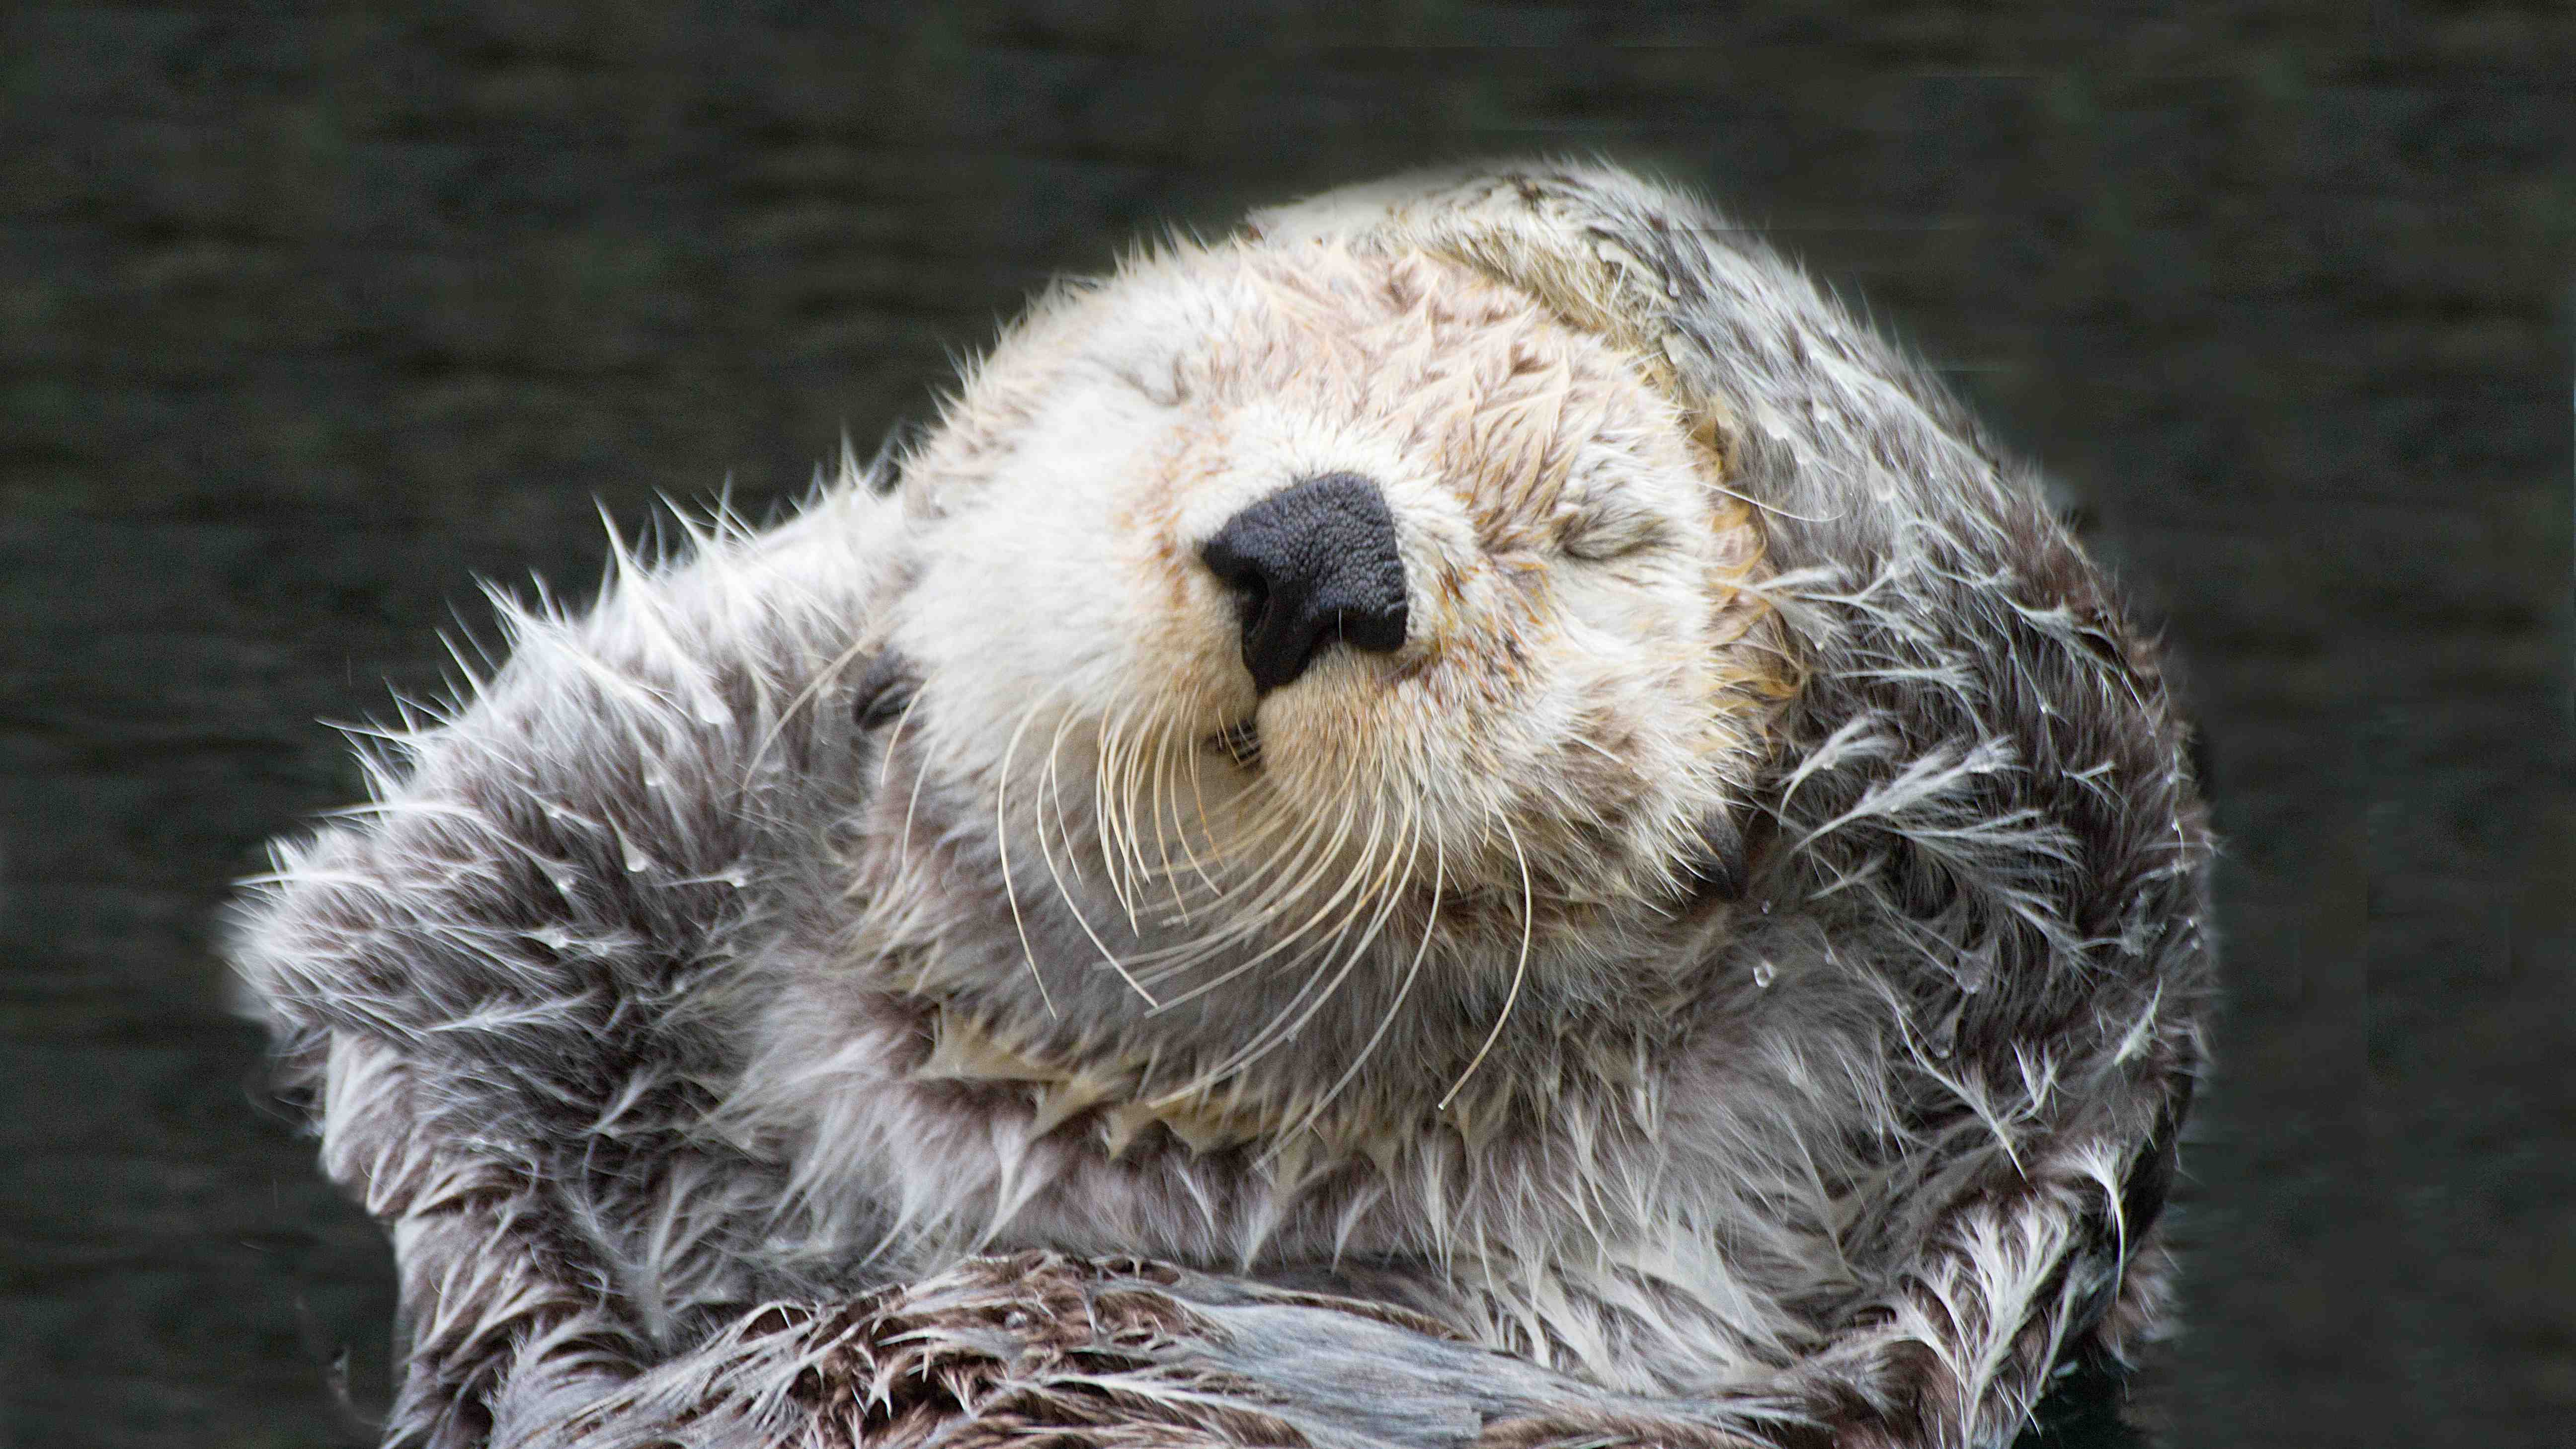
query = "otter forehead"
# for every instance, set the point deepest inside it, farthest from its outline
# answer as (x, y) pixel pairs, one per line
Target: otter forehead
(1229, 366)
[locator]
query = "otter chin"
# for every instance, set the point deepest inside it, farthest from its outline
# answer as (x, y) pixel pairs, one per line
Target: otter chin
(1474, 744)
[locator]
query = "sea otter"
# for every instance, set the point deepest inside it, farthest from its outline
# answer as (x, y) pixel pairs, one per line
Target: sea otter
(1475, 745)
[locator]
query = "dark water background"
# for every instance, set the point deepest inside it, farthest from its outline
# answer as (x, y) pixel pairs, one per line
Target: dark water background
(309, 314)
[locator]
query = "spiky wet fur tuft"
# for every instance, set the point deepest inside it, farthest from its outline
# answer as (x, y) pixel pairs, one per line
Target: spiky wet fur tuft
(591, 1017)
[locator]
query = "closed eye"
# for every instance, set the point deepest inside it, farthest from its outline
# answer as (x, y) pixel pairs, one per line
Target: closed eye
(1602, 534)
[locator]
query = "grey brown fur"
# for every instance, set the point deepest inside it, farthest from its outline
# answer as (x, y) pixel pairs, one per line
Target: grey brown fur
(1935, 1062)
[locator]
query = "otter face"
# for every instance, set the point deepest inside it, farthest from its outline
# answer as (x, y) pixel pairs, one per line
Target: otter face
(1273, 602)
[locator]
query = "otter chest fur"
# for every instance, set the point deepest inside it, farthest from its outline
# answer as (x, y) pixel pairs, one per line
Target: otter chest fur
(1475, 744)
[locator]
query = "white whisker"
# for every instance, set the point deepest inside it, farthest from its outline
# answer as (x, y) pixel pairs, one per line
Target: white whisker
(1439, 870)
(1104, 827)
(1357, 880)
(1052, 783)
(1162, 770)
(911, 805)
(1598, 748)
(1243, 919)
(1080, 917)
(894, 736)
(1002, 843)
(1190, 753)
(778, 726)
(1249, 920)
(1271, 1034)
(1529, 921)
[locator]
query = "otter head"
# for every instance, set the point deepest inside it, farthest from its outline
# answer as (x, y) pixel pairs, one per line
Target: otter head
(1313, 654)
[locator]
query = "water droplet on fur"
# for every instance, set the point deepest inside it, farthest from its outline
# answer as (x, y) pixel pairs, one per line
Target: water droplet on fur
(1766, 905)
(553, 938)
(637, 862)
(1764, 973)
(1945, 1037)
(736, 878)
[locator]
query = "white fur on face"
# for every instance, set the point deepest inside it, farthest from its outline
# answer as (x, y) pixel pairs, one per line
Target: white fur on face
(1579, 690)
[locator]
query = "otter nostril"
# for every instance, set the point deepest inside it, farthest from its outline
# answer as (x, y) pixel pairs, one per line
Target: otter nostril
(1309, 564)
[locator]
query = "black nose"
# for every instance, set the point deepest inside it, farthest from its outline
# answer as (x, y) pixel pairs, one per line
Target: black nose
(1309, 564)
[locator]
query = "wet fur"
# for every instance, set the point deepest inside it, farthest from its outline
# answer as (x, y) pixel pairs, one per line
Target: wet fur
(1853, 1114)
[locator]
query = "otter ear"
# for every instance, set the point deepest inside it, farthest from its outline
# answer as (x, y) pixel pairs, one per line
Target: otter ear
(886, 689)
(1718, 861)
